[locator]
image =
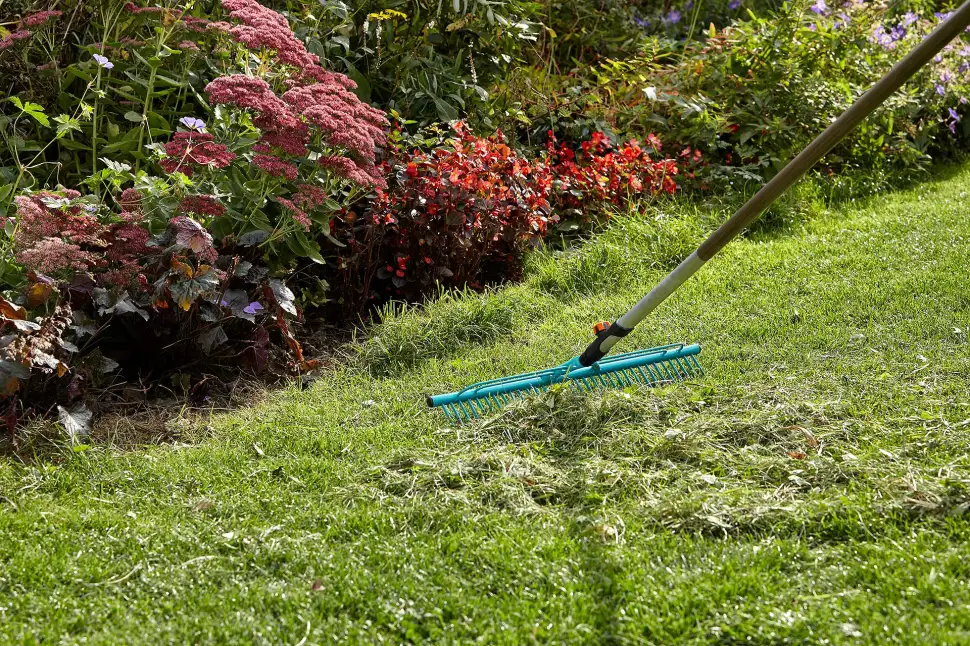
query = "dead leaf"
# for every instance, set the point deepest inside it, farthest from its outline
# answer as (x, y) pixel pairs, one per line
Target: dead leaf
(11, 311)
(203, 505)
(797, 455)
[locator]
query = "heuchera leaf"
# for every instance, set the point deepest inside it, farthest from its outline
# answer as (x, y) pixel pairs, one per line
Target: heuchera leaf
(284, 297)
(204, 281)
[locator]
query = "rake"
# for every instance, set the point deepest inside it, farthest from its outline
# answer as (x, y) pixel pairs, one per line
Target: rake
(593, 370)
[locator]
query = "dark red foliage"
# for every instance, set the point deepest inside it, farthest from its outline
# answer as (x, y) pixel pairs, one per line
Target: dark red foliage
(598, 174)
(457, 216)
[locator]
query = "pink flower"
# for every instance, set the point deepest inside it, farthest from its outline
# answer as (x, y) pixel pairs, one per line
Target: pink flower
(131, 8)
(39, 18)
(298, 214)
(52, 255)
(23, 34)
(262, 28)
(309, 197)
(202, 205)
(188, 149)
(275, 166)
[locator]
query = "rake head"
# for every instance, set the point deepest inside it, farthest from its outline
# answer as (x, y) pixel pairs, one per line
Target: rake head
(655, 366)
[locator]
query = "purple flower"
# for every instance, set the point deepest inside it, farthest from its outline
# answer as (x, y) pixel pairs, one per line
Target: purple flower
(940, 89)
(689, 5)
(963, 100)
(938, 58)
(943, 16)
(946, 77)
(880, 36)
(253, 308)
(813, 27)
(953, 114)
(898, 33)
(193, 124)
(734, 4)
(820, 7)
(844, 19)
(640, 22)
(673, 17)
(103, 61)
(909, 18)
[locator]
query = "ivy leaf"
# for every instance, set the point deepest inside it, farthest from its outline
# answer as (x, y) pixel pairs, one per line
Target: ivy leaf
(76, 421)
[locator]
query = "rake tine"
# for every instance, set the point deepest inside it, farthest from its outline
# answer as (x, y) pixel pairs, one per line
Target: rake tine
(666, 369)
(647, 380)
(697, 364)
(684, 368)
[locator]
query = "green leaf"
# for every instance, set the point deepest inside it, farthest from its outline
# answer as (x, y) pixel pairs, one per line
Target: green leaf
(133, 117)
(363, 90)
(66, 124)
(5, 190)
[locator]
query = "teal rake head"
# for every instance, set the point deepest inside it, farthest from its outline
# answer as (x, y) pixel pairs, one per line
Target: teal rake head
(655, 366)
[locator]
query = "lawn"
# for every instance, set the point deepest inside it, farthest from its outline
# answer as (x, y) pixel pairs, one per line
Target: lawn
(811, 488)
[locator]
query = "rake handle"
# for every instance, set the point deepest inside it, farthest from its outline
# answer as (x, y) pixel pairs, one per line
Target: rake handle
(791, 173)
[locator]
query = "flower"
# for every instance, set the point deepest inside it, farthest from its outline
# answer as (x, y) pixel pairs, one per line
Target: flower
(191, 148)
(39, 18)
(940, 89)
(54, 254)
(193, 123)
(298, 214)
(909, 18)
(819, 7)
(734, 5)
(954, 119)
(253, 308)
(672, 18)
(275, 167)
(22, 34)
(202, 205)
(103, 62)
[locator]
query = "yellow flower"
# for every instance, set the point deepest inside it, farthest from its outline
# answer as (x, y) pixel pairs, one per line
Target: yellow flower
(387, 14)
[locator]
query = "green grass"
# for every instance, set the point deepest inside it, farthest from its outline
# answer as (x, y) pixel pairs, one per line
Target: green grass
(812, 488)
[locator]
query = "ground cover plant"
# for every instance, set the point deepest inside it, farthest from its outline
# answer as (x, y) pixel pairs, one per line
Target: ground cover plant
(811, 487)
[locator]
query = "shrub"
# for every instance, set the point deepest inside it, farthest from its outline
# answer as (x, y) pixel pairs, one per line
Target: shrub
(597, 178)
(459, 215)
(752, 95)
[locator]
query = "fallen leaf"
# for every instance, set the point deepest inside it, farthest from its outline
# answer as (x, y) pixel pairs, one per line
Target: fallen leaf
(797, 455)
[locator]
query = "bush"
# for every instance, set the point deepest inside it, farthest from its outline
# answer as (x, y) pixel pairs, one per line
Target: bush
(752, 95)
(459, 215)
